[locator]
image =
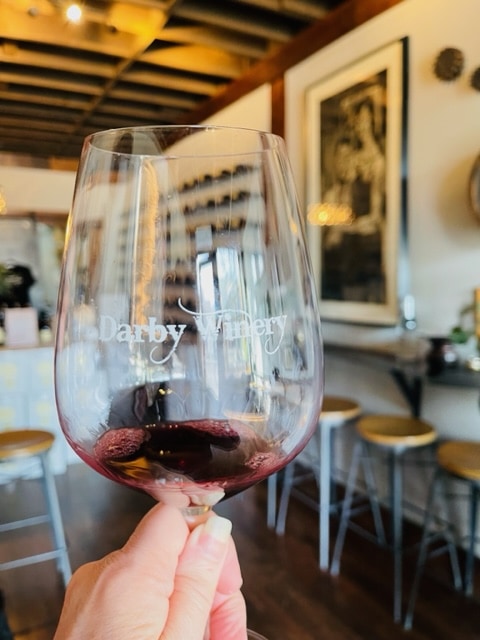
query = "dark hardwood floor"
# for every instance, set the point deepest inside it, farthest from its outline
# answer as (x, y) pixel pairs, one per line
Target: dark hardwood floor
(288, 598)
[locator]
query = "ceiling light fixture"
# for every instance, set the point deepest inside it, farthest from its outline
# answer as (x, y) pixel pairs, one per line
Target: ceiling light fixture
(327, 214)
(74, 13)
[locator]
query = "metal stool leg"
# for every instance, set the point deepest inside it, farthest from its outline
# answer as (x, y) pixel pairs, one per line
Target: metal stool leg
(396, 497)
(323, 478)
(450, 539)
(373, 498)
(285, 497)
(437, 488)
(325, 456)
(55, 518)
(469, 565)
(346, 509)
(272, 501)
(422, 556)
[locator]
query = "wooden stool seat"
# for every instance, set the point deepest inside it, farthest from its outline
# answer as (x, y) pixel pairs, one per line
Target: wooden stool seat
(21, 444)
(396, 431)
(336, 411)
(395, 435)
(461, 459)
(24, 443)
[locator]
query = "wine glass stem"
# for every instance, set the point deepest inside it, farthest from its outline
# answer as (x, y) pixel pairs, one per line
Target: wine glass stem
(195, 515)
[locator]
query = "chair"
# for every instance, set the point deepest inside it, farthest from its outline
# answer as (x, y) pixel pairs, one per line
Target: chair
(394, 435)
(22, 444)
(459, 460)
(336, 412)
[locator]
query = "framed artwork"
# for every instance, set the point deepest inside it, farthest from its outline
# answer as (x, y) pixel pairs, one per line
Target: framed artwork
(355, 183)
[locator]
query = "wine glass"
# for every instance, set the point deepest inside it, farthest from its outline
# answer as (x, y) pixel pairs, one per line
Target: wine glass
(188, 358)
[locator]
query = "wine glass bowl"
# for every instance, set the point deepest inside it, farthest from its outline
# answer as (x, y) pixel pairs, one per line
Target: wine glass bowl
(188, 359)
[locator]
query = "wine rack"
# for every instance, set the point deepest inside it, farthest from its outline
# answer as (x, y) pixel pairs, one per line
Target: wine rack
(180, 228)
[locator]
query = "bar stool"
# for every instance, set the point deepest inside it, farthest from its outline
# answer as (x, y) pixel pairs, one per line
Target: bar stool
(459, 460)
(17, 445)
(394, 435)
(336, 412)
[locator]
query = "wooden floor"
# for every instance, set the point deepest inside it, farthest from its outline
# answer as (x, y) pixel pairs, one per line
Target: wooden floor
(288, 598)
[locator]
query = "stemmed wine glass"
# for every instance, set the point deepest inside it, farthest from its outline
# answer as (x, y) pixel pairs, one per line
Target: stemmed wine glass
(188, 359)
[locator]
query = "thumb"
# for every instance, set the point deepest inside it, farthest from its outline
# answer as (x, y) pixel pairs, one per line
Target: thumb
(198, 572)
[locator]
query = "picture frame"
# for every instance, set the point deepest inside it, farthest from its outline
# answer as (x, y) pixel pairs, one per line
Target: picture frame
(355, 186)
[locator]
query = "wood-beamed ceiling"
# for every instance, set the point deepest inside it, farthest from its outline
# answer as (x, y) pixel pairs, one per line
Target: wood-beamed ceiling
(133, 62)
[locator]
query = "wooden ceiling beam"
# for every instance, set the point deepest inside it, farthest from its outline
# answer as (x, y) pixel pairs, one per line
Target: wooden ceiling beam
(146, 115)
(54, 115)
(10, 122)
(222, 15)
(306, 9)
(47, 100)
(178, 82)
(346, 17)
(52, 84)
(39, 135)
(196, 59)
(102, 121)
(239, 44)
(165, 98)
(38, 148)
(15, 133)
(21, 56)
(182, 63)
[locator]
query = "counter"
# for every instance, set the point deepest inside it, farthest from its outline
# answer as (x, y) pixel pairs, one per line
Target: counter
(27, 397)
(410, 378)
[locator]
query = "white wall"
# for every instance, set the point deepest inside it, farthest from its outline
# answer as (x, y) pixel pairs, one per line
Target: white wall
(33, 190)
(443, 234)
(443, 141)
(252, 111)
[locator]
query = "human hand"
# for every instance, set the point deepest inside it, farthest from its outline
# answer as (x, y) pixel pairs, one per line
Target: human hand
(166, 583)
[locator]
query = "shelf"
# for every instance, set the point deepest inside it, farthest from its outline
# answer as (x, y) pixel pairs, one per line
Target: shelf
(410, 377)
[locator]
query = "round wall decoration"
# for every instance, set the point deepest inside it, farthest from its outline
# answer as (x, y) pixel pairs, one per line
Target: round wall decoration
(475, 79)
(474, 187)
(449, 64)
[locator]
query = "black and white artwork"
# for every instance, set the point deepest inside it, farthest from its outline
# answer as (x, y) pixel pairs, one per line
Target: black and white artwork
(355, 157)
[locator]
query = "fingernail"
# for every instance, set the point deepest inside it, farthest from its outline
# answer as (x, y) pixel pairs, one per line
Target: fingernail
(218, 528)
